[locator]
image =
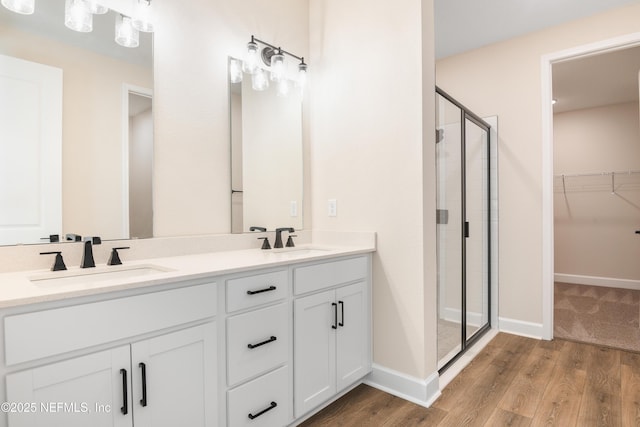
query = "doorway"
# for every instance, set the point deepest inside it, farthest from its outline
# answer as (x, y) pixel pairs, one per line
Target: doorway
(591, 199)
(463, 232)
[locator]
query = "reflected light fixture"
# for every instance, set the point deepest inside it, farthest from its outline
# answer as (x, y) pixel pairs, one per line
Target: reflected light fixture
(96, 8)
(259, 80)
(78, 16)
(126, 35)
(235, 70)
(142, 20)
(273, 57)
(23, 7)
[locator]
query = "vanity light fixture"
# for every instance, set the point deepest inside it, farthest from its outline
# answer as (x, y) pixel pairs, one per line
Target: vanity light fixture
(142, 16)
(78, 16)
(259, 80)
(272, 57)
(126, 34)
(235, 70)
(282, 88)
(23, 7)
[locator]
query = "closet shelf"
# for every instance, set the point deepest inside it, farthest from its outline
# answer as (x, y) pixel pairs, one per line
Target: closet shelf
(599, 181)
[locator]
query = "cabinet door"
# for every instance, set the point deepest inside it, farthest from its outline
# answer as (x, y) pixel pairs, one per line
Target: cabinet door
(352, 361)
(80, 392)
(174, 380)
(314, 350)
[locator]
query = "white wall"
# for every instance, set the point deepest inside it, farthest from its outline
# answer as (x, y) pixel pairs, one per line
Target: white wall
(504, 79)
(594, 229)
(369, 121)
(141, 174)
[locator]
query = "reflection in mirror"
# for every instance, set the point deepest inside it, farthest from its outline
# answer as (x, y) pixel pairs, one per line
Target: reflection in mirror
(266, 157)
(69, 156)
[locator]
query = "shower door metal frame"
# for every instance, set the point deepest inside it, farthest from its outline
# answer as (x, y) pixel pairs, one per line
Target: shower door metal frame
(466, 114)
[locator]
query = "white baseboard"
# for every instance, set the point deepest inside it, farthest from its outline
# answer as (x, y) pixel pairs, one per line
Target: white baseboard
(607, 282)
(519, 327)
(455, 315)
(421, 392)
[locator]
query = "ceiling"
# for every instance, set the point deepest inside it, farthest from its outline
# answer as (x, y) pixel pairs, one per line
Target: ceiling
(609, 78)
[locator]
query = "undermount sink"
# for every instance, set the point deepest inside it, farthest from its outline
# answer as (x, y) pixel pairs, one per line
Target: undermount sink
(95, 275)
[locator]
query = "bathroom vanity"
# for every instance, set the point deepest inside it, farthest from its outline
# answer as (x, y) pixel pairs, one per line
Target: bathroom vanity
(245, 337)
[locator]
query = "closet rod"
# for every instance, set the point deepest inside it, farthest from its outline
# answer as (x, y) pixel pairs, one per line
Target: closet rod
(575, 175)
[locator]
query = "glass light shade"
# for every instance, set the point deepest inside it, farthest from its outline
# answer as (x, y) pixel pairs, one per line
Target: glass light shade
(24, 7)
(142, 19)
(96, 8)
(282, 88)
(250, 64)
(77, 16)
(259, 80)
(277, 67)
(126, 35)
(302, 75)
(235, 70)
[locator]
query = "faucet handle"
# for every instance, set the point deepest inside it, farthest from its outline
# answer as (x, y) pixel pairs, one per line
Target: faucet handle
(114, 259)
(290, 243)
(53, 238)
(59, 262)
(265, 244)
(96, 240)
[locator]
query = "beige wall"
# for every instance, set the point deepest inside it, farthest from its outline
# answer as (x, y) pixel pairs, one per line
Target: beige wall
(92, 129)
(191, 45)
(594, 229)
(504, 79)
(141, 174)
(367, 124)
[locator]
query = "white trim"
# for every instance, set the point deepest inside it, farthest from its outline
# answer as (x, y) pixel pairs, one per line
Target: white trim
(607, 282)
(421, 392)
(612, 44)
(126, 90)
(455, 315)
(522, 328)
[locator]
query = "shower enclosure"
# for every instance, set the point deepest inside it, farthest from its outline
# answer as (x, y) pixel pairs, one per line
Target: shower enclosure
(465, 175)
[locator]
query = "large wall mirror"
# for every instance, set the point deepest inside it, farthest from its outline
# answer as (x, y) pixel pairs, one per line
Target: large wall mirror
(266, 157)
(96, 178)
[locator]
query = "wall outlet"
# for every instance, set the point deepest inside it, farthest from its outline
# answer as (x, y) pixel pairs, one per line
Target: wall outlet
(293, 208)
(332, 207)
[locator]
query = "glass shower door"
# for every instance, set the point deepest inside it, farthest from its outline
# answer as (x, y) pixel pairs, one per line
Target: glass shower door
(463, 228)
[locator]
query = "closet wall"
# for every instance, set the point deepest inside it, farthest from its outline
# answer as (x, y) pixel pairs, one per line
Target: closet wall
(594, 226)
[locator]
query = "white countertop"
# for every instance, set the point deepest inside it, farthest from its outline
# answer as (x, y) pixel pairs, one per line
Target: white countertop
(21, 288)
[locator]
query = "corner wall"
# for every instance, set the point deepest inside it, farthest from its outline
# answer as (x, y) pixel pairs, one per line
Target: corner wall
(372, 109)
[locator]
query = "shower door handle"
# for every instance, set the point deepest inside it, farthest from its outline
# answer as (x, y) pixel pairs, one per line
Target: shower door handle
(466, 229)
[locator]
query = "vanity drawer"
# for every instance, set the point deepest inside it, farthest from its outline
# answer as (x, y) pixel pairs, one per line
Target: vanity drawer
(40, 334)
(267, 331)
(251, 291)
(320, 276)
(266, 399)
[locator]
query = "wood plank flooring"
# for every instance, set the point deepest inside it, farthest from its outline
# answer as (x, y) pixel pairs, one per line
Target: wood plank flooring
(514, 381)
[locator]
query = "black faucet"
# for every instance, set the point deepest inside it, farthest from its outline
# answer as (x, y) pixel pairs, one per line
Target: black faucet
(87, 255)
(256, 228)
(278, 243)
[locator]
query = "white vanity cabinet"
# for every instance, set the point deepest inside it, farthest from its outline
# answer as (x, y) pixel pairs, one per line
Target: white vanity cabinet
(332, 344)
(162, 373)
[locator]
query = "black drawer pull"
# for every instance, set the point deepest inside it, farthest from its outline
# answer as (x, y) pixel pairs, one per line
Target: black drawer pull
(271, 406)
(335, 315)
(259, 291)
(342, 317)
(252, 346)
(143, 366)
(125, 407)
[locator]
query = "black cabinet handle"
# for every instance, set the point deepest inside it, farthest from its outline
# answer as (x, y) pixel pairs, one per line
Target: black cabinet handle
(125, 407)
(637, 231)
(143, 366)
(335, 315)
(342, 316)
(252, 346)
(271, 406)
(259, 291)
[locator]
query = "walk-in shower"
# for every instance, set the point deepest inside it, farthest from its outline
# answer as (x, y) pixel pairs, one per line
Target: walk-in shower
(466, 178)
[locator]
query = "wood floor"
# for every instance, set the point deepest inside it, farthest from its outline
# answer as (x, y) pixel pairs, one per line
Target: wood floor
(514, 381)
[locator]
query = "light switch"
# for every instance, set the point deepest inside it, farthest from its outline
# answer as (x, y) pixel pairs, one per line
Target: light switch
(332, 207)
